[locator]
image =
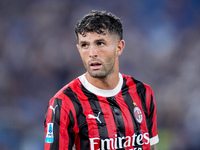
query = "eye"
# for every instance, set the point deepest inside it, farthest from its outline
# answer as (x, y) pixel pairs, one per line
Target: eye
(100, 43)
(84, 45)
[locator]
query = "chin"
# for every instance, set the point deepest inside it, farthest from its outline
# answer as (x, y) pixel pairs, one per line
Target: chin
(97, 74)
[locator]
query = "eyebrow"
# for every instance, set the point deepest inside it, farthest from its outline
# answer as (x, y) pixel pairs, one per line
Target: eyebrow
(96, 41)
(99, 40)
(83, 42)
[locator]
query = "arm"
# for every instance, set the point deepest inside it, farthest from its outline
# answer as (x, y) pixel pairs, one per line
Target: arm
(57, 126)
(153, 147)
(151, 118)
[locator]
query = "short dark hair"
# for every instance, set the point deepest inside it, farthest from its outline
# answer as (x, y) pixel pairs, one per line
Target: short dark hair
(99, 21)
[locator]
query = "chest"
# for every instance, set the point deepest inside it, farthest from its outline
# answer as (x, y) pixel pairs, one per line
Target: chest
(113, 116)
(113, 123)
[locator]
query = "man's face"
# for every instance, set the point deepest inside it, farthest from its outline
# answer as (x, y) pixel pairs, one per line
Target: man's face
(99, 53)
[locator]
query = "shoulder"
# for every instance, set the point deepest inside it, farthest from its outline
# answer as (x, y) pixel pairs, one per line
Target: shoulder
(139, 85)
(129, 78)
(67, 97)
(67, 89)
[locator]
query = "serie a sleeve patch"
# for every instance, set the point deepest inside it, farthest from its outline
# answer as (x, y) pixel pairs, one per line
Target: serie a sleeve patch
(49, 136)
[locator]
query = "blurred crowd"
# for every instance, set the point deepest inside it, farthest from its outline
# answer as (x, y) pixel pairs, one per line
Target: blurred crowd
(38, 56)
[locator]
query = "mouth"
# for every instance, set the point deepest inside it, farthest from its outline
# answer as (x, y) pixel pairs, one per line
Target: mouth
(95, 65)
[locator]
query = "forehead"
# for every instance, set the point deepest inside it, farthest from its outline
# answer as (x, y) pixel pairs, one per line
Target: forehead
(93, 36)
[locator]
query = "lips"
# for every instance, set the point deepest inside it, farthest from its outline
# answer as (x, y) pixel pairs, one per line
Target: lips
(95, 65)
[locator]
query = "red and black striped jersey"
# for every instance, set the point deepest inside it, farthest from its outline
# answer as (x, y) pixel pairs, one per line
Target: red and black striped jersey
(84, 117)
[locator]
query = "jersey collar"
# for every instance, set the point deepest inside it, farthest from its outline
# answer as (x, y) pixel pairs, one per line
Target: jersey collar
(101, 92)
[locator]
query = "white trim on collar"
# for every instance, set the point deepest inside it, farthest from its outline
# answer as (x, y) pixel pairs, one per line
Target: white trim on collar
(101, 92)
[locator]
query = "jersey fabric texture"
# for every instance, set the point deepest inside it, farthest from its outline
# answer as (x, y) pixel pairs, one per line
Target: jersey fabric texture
(83, 117)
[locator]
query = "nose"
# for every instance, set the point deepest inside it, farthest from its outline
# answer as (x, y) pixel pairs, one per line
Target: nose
(93, 52)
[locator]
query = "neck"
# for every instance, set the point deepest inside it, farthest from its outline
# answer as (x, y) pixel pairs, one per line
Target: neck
(108, 83)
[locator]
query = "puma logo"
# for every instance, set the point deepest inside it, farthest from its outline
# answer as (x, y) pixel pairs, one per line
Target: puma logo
(95, 117)
(53, 108)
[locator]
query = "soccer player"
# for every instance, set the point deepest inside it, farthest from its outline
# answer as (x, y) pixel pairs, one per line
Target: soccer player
(102, 109)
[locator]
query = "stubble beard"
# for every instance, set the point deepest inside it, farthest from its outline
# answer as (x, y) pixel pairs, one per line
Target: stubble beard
(106, 70)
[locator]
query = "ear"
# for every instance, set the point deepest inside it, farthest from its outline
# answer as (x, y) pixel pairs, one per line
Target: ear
(120, 47)
(78, 47)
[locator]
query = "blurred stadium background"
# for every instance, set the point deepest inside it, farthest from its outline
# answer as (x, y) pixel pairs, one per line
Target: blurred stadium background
(38, 56)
